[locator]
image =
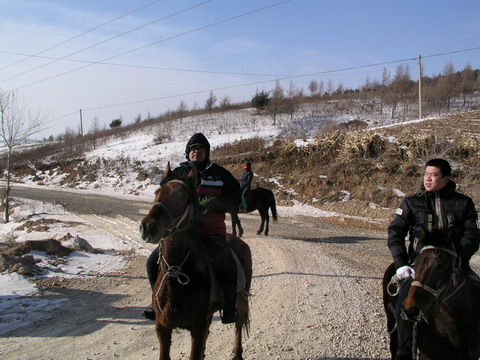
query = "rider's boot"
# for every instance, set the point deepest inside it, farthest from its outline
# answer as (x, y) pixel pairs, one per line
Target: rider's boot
(149, 313)
(229, 311)
(225, 269)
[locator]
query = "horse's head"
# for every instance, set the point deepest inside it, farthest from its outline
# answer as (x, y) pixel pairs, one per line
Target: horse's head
(436, 271)
(175, 207)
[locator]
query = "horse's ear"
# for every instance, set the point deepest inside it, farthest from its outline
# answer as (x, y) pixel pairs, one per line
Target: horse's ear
(192, 175)
(168, 171)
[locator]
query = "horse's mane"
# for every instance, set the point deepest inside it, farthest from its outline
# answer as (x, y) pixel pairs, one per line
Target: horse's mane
(440, 238)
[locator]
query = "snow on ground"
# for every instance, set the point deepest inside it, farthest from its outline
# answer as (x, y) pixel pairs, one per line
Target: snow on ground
(18, 294)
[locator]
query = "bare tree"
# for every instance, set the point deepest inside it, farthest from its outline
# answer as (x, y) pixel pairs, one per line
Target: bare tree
(182, 109)
(18, 123)
(292, 102)
(313, 87)
(225, 102)
(277, 101)
(330, 87)
(385, 82)
(210, 102)
(467, 84)
(94, 130)
(138, 119)
(448, 84)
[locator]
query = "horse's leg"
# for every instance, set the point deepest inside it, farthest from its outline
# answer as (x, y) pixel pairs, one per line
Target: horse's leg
(240, 228)
(236, 222)
(199, 339)
(264, 217)
(164, 336)
(242, 321)
(267, 221)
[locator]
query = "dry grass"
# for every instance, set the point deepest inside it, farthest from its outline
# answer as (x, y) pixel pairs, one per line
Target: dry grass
(367, 164)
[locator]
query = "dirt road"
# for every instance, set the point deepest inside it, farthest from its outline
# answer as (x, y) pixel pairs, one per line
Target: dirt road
(315, 295)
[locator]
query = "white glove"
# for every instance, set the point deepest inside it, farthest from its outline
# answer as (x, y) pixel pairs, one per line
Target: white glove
(405, 272)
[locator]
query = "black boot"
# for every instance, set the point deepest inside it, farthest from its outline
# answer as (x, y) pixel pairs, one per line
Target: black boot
(149, 313)
(229, 311)
(225, 269)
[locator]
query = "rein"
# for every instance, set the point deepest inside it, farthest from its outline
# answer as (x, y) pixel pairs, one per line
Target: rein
(453, 279)
(174, 271)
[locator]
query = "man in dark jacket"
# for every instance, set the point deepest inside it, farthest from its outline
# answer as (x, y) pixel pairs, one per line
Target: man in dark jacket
(246, 183)
(436, 206)
(217, 191)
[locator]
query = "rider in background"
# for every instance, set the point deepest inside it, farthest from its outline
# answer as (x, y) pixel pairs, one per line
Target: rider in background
(216, 188)
(246, 183)
(436, 206)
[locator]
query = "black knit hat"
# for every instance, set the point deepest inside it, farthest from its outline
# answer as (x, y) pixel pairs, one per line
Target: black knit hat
(196, 140)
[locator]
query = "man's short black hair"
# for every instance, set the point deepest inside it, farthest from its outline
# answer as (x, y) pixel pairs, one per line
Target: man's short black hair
(442, 164)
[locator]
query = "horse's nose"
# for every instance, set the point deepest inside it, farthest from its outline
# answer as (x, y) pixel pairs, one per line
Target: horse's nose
(410, 310)
(144, 230)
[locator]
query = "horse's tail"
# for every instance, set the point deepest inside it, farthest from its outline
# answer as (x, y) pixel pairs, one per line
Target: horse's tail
(246, 325)
(273, 208)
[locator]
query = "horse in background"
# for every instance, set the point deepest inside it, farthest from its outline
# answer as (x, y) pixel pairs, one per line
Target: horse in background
(443, 301)
(182, 296)
(260, 199)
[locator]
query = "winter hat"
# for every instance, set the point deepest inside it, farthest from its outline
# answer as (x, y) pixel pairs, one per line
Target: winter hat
(198, 139)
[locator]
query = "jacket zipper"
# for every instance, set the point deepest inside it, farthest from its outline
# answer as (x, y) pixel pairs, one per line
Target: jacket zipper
(438, 210)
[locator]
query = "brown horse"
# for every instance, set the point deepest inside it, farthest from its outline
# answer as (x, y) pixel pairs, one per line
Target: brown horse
(260, 199)
(182, 294)
(443, 301)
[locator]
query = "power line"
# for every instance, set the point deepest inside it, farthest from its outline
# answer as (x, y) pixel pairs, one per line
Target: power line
(272, 80)
(158, 42)
(107, 40)
(147, 67)
(81, 34)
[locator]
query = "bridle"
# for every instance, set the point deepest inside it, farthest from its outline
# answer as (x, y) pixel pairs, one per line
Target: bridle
(187, 214)
(454, 278)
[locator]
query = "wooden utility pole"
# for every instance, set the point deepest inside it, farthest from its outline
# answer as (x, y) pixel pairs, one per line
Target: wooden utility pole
(419, 86)
(81, 123)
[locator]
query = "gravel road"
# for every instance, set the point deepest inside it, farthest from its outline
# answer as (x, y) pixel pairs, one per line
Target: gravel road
(316, 294)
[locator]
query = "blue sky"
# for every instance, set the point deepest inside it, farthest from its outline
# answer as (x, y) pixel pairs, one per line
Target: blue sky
(233, 48)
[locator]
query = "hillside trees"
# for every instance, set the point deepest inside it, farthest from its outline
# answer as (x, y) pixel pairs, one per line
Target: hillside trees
(17, 123)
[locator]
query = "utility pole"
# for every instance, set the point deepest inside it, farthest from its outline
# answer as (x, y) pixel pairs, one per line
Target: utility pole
(81, 123)
(419, 86)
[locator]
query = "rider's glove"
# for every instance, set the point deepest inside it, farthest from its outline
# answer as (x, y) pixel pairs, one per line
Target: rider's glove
(211, 205)
(405, 272)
